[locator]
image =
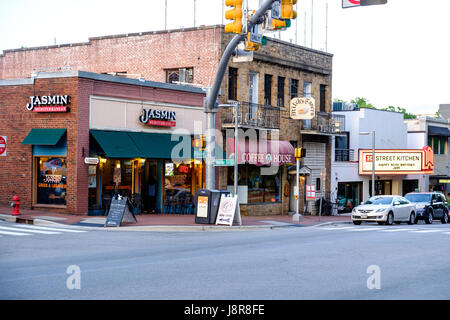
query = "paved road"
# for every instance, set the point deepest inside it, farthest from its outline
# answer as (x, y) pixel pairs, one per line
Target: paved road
(331, 262)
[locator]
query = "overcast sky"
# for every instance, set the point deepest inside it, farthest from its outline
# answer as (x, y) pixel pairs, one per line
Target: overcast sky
(396, 54)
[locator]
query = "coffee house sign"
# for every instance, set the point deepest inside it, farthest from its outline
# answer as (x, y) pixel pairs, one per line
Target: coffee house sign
(161, 118)
(57, 103)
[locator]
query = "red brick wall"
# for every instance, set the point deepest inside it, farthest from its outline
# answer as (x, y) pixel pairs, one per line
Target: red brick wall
(147, 54)
(16, 122)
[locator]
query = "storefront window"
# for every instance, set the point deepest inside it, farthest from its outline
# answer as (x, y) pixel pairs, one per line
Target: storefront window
(349, 196)
(261, 188)
(117, 177)
(51, 180)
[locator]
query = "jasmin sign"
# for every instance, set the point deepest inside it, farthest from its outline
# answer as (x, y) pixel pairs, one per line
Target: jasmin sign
(57, 103)
(161, 118)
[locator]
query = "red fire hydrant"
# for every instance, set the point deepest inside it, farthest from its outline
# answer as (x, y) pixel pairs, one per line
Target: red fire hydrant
(16, 205)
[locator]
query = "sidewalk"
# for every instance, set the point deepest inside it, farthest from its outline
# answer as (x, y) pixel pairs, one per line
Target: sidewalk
(171, 221)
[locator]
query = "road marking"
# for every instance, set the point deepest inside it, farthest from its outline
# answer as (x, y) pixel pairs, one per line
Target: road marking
(365, 229)
(338, 228)
(395, 230)
(426, 231)
(32, 231)
(50, 229)
(446, 232)
(8, 233)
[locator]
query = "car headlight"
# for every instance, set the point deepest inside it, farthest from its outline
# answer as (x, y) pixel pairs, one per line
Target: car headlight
(420, 206)
(354, 210)
(380, 210)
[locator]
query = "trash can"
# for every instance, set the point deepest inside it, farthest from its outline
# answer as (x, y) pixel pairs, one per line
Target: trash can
(208, 201)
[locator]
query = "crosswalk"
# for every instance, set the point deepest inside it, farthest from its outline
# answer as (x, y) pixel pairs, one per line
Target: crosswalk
(389, 229)
(21, 230)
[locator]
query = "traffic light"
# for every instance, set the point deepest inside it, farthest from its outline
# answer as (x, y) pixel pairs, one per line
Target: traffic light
(234, 14)
(280, 24)
(300, 153)
(287, 9)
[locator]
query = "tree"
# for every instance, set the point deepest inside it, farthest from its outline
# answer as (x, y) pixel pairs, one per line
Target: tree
(364, 103)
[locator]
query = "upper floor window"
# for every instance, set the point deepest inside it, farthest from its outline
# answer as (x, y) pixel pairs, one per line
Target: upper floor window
(280, 94)
(182, 75)
(268, 89)
(232, 83)
(323, 98)
(307, 89)
(293, 88)
(437, 143)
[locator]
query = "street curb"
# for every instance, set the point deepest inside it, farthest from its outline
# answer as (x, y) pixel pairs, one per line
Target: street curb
(174, 228)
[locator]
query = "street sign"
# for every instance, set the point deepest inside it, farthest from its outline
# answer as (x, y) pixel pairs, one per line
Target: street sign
(3, 146)
(224, 162)
(255, 35)
(276, 10)
(350, 3)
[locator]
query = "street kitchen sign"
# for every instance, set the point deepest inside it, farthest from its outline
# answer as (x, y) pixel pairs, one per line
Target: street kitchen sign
(160, 118)
(49, 103)
(404, 161)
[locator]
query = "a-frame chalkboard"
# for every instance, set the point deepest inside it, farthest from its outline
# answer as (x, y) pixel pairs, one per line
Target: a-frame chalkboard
(119, 212)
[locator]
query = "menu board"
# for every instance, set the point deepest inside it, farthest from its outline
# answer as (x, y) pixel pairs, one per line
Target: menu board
(119, 212)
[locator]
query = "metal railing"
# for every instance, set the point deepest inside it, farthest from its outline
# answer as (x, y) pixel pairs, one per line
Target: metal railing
(344, 154)
(325, 122)
(254, 115)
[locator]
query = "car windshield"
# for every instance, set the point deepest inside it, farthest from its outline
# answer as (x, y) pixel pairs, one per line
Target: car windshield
(379, 200)
(425, 197)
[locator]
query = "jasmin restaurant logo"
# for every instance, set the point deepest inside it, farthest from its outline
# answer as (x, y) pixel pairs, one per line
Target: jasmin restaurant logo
(57, 103)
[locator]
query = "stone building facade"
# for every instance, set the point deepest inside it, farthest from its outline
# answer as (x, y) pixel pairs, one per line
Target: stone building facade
(192, 56)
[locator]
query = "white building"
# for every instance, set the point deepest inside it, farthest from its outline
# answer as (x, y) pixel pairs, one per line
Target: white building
(352, 184)
(434, 132)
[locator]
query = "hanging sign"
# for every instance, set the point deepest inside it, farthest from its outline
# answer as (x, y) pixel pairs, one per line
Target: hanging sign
(49, 103)
(302, 108)
(161, 118)
(3, 146)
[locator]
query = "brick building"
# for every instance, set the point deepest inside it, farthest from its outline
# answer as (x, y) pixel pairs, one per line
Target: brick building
(55, 122)
(263, 88)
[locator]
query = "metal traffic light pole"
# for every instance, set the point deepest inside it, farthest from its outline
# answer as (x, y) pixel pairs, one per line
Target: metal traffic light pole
(212, 93)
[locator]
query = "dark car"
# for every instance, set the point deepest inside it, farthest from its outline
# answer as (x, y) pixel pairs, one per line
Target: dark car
(429, 206)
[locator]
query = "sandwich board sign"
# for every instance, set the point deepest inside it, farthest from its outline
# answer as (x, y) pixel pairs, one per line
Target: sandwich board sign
(119, 212)
(229, 212)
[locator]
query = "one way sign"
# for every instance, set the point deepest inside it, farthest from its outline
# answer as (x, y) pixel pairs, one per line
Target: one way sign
(355, 3)
(350, 3)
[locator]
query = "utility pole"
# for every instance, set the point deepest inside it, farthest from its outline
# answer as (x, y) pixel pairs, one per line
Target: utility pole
(165, 14)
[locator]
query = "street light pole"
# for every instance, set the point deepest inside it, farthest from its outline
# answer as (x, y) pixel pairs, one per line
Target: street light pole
(373, 159)
(212, 93)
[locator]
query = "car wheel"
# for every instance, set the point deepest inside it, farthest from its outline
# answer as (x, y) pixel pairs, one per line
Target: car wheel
(444, 219)
(429, 218)
(357, 222)
(412, 218)
(390, 219)
(380, 222)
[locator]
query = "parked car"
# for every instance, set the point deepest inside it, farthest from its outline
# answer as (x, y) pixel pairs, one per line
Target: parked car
(429, 206)
(385, 210)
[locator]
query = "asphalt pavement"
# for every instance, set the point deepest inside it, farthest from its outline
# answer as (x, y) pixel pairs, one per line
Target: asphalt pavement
(333, 261)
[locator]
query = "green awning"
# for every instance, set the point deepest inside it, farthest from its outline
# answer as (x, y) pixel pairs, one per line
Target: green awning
(49, 137)
(116, 144)
(163, 146)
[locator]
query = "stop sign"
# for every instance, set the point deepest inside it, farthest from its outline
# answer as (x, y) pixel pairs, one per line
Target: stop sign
(350, 3)
(2, 146)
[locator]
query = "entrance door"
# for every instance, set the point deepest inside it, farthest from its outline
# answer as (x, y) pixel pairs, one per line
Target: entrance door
(150, 186)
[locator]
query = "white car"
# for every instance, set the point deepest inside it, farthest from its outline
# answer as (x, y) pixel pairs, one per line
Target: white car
(385, 210)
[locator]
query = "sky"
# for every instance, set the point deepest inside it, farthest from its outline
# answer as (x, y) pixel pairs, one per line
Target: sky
(395, 54)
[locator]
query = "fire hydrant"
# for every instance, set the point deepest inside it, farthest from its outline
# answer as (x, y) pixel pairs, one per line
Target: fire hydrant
(16, 205)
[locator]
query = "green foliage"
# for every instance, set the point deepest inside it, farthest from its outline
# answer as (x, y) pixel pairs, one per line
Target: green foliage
(364, 103)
